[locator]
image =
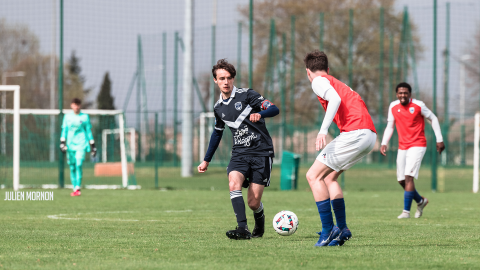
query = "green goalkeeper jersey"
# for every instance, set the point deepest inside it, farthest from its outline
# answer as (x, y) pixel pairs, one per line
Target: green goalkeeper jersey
(77, 130)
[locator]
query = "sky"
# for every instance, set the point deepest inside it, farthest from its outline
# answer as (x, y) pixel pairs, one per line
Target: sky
(105, 34)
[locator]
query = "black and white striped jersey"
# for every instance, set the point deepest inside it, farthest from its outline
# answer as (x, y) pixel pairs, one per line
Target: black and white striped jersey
(249, 138)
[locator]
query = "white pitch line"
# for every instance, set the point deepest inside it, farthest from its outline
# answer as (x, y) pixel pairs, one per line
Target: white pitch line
(63, 216)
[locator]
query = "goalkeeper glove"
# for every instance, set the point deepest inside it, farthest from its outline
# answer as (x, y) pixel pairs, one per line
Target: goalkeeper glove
(93, 149)
(63, 146)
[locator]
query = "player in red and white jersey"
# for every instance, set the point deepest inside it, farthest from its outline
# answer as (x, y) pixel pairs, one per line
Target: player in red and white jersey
(346, 108)
(408, 115)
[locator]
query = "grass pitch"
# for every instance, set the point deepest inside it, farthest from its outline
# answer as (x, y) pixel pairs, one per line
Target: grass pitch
(185, 228)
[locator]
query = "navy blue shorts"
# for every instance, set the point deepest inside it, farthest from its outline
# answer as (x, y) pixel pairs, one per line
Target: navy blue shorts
(255, 169)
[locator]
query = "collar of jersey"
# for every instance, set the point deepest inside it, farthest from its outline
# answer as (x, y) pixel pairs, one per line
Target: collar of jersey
(231, 96)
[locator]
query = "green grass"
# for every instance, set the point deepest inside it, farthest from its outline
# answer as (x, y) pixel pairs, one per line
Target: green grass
(362, 177)
(185, 228)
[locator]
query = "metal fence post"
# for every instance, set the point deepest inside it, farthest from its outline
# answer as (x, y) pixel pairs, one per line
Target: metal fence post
(380, 79)
(61, 160)
(250, 53)
(175, 99)
(390, 95)
(433, 149)
(446, 80)
(239, 55)
(156, 150)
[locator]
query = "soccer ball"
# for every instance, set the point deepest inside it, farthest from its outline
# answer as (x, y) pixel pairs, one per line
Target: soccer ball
(285, 223)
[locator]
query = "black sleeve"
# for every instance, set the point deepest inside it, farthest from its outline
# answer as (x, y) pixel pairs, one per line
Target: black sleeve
(213, 144)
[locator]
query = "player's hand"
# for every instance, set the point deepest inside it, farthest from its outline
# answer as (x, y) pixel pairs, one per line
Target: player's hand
(440, 147)
(321, 141)
(255, 117)
(383, 150)
(93, 149)
(63, 146)
(203, 167)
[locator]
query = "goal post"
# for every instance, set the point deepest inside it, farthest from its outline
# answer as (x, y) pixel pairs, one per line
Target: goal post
(132, 149)
(16, 131)
(476, 153)
(30, 133)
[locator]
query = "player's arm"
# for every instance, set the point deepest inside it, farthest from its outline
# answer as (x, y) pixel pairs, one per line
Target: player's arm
(89, 136)
(63, 135)
(435, 125)
(257, 101)
(322, 88)
(387, 135)
(213, 144)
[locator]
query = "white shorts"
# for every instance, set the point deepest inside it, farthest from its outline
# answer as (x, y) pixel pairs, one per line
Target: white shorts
(347, 149)
(409, 161)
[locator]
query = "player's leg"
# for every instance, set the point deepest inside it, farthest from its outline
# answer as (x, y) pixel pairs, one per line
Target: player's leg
(79, 158)
(73, 169)
(236, 176)
(261, 168)
(414, 160)
(401, 160)
(315, 177)
(401, 163)
(255, 192)
(352, 148)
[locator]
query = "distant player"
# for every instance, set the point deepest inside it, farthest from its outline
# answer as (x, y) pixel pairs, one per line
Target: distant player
(75, 140)
(358, 135)
(243, 110)
(408, 115)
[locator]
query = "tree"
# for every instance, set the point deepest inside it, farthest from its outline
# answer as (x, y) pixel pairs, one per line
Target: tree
(76, 78)
(365, 41)
(104, 98)
(16, 43)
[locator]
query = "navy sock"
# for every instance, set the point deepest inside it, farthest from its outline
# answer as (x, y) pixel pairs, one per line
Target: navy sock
(407, 200)
(239, 207)
(325, 211)
(417, 197)
(338, 206)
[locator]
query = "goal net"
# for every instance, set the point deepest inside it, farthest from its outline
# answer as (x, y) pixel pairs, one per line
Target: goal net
(29, 149)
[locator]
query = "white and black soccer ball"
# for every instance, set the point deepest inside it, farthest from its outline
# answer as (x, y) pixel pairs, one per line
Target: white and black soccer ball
(285, 223)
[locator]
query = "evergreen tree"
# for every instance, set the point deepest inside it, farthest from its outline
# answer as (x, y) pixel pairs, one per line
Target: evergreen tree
(104, 98)
(76, 79)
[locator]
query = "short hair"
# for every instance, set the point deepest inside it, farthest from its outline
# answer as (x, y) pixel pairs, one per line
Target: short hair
(223, 64)
(77, 101)
(404, 85)
(316, 61)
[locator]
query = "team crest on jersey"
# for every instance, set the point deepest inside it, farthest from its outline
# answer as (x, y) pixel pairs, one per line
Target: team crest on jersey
(238, 106)
(411, 110)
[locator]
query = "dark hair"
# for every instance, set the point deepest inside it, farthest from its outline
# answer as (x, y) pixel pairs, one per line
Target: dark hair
(316, 61)
(223, 64)
(77, 101)
(405, 85)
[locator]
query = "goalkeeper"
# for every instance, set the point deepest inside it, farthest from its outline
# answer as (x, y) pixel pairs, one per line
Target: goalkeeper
(75, 140)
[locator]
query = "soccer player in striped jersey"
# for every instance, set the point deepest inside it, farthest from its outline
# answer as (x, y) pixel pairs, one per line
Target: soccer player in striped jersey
(408, 115)
(346, 108)
(244, 111)
(75, 140)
